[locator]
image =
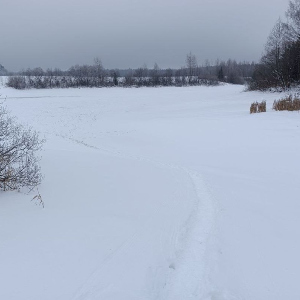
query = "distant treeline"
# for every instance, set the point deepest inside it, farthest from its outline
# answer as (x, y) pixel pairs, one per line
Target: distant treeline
(279, 67)
(96, 75)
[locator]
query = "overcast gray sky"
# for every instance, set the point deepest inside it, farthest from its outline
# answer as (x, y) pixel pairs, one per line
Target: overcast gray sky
(129, 33)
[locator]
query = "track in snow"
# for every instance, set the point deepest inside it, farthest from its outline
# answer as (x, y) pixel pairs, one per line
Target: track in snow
(187, 275)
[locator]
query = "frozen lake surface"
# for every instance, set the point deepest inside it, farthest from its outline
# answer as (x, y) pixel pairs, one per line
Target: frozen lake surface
(155, 193)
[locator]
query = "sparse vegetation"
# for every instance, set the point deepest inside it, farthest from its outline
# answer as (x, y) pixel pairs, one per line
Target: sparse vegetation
(96, 75)
(289, 103)
(258, 107)
(18, 161)
(38, 199)
(17, 82)
(279, 67)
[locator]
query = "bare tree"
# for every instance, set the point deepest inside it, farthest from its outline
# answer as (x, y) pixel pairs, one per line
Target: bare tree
(18, 162)
(129, 78)
(3, 71)
(191, 64)
(141, 75)
(99, 70)
(293, 16)
(154, 73)
(276, 46)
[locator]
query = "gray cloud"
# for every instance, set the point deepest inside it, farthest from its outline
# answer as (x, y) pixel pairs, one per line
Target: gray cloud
(128, 33)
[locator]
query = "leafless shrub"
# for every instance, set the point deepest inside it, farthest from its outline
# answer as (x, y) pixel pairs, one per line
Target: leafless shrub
(258, 107)
(18, 163)
(16, 82)
(289, 103)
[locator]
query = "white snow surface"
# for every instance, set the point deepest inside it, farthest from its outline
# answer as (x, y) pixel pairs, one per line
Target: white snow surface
(155, 193)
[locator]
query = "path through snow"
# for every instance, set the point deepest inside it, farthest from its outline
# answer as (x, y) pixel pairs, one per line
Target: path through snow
(171, 193)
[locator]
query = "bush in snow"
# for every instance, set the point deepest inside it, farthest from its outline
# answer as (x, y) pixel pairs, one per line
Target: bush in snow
(258, 107)
(17, 82)
(289, 103)
(262, 106)
(18, 163)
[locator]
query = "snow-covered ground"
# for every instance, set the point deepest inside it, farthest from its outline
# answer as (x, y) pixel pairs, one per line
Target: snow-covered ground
(155, 193)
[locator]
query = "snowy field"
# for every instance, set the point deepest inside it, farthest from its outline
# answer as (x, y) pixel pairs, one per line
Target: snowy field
(155, 193)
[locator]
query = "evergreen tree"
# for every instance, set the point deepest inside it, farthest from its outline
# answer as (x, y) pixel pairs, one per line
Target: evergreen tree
(221, 74)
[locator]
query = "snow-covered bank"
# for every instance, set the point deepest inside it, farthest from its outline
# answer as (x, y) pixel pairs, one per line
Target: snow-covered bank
(169, 193)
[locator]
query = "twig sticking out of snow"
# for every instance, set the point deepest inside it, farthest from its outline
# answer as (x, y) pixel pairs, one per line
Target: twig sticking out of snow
(38, 199)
